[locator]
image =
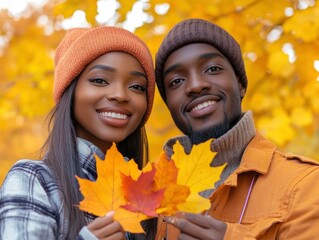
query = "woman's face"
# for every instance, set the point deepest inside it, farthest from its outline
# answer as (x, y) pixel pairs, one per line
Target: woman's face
(110, 99)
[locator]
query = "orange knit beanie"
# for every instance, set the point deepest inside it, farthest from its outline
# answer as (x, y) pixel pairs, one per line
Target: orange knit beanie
(81, 46)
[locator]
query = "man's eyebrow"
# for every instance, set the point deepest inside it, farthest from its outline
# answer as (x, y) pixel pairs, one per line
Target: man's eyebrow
(171, 69)
(111, 69)
(202, 56)
(211, 55)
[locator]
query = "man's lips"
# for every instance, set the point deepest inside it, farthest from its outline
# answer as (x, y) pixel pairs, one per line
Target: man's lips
(202, 102)
(203, 105)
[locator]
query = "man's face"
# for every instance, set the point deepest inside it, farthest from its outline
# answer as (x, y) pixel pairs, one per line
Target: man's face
(202, 91)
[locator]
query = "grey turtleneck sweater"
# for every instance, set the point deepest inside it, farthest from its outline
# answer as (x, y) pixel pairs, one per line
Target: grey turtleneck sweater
(229, 147)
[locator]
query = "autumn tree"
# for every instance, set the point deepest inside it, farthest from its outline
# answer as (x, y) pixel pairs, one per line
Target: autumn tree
(279, 40)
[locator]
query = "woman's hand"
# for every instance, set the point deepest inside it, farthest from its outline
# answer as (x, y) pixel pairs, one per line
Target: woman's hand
(196, 226)
(106, 228)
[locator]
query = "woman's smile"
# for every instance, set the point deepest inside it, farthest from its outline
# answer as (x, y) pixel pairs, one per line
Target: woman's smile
(114, 118)
(110, 99)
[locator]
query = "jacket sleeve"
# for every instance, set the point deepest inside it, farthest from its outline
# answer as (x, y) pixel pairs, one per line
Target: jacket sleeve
(25, 211)
(302, 219)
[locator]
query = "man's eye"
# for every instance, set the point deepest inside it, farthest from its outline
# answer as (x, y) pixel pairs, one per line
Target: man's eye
(213, 69)
(175, 82)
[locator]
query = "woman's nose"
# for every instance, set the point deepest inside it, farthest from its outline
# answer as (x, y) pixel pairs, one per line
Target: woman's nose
(117, 92)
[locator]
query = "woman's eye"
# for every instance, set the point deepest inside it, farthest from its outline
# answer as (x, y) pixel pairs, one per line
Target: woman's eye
(98, 81)
(138, 87)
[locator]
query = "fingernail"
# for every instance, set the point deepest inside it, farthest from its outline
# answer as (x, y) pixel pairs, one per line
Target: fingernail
(171, 220)
(110, 213)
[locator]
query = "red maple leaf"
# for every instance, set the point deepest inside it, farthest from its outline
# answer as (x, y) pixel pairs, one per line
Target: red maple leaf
(140, 194)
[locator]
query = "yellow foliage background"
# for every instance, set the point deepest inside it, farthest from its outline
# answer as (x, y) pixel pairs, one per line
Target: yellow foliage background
(279, 40)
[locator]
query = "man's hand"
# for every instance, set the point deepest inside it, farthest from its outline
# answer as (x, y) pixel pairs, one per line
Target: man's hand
(196, 226)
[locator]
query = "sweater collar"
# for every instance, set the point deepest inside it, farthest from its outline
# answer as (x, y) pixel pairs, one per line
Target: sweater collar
(86, 151)
(232, 144)
(229, 147)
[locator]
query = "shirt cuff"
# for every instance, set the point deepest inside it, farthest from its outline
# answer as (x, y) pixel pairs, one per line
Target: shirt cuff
(86, 234)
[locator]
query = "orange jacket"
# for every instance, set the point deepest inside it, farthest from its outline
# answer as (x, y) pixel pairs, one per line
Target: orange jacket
(283, 203)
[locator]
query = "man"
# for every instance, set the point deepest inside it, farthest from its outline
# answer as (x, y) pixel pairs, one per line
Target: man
(263, 193)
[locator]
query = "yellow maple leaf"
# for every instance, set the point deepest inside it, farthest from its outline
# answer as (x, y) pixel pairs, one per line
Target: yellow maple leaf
(194, 168)
(196, 173)
(194, 204)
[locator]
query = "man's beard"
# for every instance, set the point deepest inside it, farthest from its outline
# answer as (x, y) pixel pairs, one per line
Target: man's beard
(203, 135)
(215, 131)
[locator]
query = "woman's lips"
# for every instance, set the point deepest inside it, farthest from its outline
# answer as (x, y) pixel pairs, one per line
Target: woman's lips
(116, 117)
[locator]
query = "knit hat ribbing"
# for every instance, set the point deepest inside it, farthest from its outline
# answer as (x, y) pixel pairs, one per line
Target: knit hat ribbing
(199, 31)
(81, 46)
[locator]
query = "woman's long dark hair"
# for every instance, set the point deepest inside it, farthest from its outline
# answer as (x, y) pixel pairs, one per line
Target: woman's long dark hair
(62, 157)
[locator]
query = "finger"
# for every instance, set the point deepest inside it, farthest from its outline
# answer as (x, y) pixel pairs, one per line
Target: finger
(184, 236)
(101, 221)
(199, 226)
(188, 229)
(109, 230)
(205, 221)
(116, 236)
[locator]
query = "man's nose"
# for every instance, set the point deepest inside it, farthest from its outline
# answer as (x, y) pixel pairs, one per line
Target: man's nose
(197, 84)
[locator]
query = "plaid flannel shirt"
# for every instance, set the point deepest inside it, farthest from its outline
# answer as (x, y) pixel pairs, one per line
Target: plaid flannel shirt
(31, 206)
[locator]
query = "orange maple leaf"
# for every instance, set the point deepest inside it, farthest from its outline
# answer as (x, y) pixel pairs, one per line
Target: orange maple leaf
(166, 178)
(105, 194)
(130, 221)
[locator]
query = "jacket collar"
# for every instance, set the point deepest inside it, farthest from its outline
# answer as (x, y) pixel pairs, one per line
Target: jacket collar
(257, 158)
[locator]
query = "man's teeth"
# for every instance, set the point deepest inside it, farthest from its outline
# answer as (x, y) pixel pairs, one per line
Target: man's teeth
(203, 105)
(113, 115)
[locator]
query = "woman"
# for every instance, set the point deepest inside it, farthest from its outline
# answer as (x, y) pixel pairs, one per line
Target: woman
(103, 89)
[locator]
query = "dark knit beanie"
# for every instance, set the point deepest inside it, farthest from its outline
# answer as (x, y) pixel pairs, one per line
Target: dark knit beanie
(199, 31)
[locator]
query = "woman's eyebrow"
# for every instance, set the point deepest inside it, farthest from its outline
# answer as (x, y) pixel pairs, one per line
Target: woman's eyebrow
(103, 67)
(111, 69)
(138, 74)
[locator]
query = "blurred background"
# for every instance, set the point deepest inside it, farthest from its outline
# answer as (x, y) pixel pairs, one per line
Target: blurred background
(279, 40)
